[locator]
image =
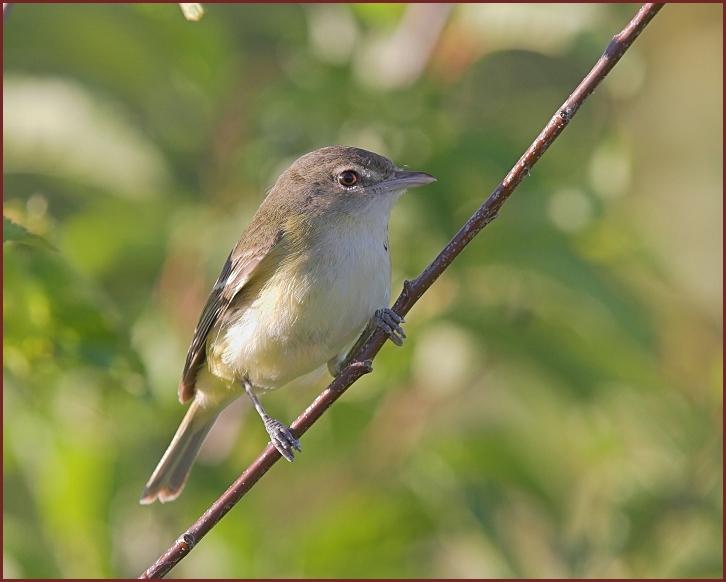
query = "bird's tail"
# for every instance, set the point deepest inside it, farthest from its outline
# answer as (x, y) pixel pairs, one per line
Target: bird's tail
(170, 475)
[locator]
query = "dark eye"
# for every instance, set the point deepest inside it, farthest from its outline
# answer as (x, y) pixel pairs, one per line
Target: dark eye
(348, 178)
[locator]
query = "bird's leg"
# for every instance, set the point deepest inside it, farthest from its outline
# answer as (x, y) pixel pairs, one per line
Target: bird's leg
(384, 318)
(280, 435)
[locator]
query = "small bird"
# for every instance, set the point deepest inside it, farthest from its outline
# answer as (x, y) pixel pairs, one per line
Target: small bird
(306, 277)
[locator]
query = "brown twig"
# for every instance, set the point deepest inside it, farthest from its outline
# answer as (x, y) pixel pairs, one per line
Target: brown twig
(412, 291)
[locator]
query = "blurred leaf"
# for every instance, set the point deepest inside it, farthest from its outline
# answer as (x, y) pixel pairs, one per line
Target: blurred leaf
(54, 319)
(13, 232)
(192, 11)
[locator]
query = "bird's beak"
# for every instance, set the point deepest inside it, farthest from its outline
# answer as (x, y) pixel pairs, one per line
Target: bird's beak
(402, 179)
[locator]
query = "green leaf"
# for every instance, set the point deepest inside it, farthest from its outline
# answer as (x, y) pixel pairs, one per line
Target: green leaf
(192, 10)
(13, 232)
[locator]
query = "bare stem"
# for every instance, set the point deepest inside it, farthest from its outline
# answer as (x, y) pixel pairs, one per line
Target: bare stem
(412, 292)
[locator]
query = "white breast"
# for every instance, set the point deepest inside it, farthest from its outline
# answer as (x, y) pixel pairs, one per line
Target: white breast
(314, 307)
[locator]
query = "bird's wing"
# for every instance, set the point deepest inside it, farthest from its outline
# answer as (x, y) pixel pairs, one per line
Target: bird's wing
(236, 273)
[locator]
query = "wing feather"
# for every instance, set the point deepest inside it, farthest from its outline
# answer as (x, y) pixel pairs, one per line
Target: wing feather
(236, 272)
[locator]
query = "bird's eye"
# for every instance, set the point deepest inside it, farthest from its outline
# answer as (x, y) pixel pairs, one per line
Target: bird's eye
(348, 178)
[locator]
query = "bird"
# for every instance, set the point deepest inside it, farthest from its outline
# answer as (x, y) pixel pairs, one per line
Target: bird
(310, 272)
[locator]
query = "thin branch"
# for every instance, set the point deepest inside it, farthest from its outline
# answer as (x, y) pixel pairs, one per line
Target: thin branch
(412, 291)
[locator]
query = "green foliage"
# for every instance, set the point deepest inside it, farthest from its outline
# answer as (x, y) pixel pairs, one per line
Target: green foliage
(557, 409)
(13, 232)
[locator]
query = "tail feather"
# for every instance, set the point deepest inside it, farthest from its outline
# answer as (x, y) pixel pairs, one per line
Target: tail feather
(170, 475)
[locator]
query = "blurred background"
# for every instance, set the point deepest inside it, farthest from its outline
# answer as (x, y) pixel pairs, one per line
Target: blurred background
(557, 409)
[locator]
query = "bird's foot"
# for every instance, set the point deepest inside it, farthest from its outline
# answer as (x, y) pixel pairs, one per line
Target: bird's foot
(282, 438)
(390, 322)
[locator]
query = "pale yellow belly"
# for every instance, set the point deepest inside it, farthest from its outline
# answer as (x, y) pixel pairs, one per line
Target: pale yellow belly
(302, 318)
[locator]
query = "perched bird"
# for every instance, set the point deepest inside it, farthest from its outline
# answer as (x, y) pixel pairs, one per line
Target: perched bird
(308, 274)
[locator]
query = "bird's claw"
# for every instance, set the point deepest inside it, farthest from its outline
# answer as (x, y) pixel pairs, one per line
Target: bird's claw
(282, 438)
(390, 322)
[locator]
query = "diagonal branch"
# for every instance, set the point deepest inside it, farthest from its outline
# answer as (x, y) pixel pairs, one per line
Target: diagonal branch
(412, 291)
